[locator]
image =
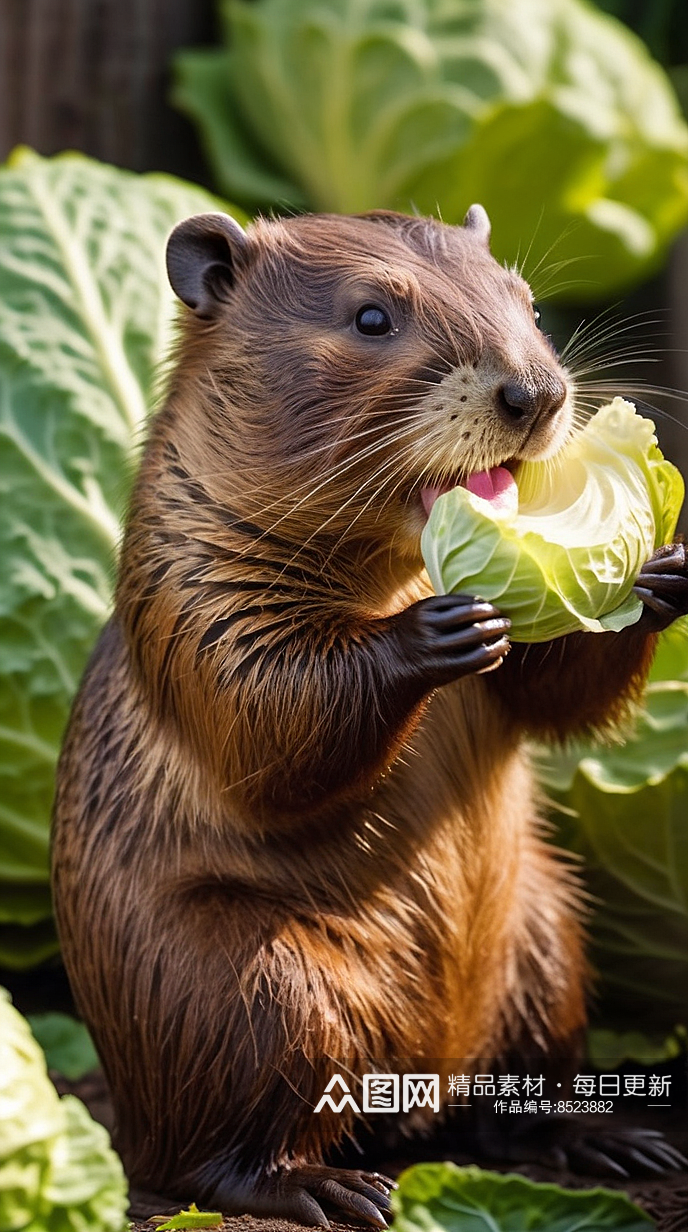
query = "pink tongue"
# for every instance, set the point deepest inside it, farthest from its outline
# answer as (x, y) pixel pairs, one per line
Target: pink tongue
(497, 486)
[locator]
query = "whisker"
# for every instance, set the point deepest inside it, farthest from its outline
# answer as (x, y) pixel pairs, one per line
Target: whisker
(612, 325)
(520, 266)
(586, 347)
(327, 447)
(377, 494)
(546, 290)
(361, 455)
(394, 461)
(679, 395)
(615, 362)
(568, 229)
(637, 391)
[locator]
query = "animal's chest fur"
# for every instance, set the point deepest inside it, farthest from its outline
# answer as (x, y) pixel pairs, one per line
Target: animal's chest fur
(452, 831)
(424, 909)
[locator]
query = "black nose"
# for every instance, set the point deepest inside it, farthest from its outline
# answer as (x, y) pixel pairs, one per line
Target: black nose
(518, 400)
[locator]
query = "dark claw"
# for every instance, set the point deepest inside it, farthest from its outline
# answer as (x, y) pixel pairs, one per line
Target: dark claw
(644, 1161)
(639, 1151)
(594, 1161)
(446, 611)
(362, 1194)
(664, 559)
(667, 583)
(376, 1194)
(353, 1202)
(487, 631)
(448, 636)
(669, 1156)
(654, 602)
(483, 658)
(494, 654)
(563, 1142)
(556, 1157)
(303, 1208)
(381, 1178)
(662, 584)
(381, 1182)
(674, 1151)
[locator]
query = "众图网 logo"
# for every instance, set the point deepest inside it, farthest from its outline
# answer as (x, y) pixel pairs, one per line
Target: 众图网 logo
(381, 1093)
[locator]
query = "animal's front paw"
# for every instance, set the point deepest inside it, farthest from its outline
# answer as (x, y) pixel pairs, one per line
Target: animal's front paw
(564, 1142)
(448, 636)
(663, 586)
(297, 1193)
(349, 1192)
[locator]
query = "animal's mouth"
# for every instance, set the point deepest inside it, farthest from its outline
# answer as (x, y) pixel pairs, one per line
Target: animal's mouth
(496, 485)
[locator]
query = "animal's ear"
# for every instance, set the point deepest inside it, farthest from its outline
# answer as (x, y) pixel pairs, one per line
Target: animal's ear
(204, 255)
(477, 221)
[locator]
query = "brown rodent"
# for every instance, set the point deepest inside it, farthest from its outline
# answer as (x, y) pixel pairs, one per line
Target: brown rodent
(295, 828)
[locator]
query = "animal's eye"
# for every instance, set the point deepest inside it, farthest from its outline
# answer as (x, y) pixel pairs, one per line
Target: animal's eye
(536, 314)
(372, 320)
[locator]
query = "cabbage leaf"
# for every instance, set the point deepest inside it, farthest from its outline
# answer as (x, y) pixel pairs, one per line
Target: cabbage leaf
(441, 1197)
(623, 808)
(68, 1047)
(58, 1172)
(550, 113)
(187, 1220)
(567, 556)
(85, 316)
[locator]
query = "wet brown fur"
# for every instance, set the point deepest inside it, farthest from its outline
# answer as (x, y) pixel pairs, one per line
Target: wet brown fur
(273, 856)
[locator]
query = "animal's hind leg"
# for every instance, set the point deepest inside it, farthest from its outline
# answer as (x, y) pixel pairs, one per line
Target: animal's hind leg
(549, 1005)
(300, 1192)
(216, 1080)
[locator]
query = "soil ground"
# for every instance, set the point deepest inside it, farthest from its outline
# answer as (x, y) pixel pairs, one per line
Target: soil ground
(665, 1199)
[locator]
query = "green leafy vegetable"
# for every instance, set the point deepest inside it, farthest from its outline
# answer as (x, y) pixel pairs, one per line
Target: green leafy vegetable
(66, 1043)
(609, 1049)
(191, 1218)
(58, 1172)
(444, 1198)
(624, 809)
(625, 813)
(550, 113)
(671, 657)
(566, 555)
(85, 318)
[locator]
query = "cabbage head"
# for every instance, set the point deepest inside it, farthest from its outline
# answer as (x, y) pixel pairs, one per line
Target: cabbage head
(550, 113)
(86, 316)
(58, 1172)
(566, 555)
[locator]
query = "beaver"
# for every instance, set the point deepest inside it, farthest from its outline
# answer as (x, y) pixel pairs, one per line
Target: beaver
(295, 828)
